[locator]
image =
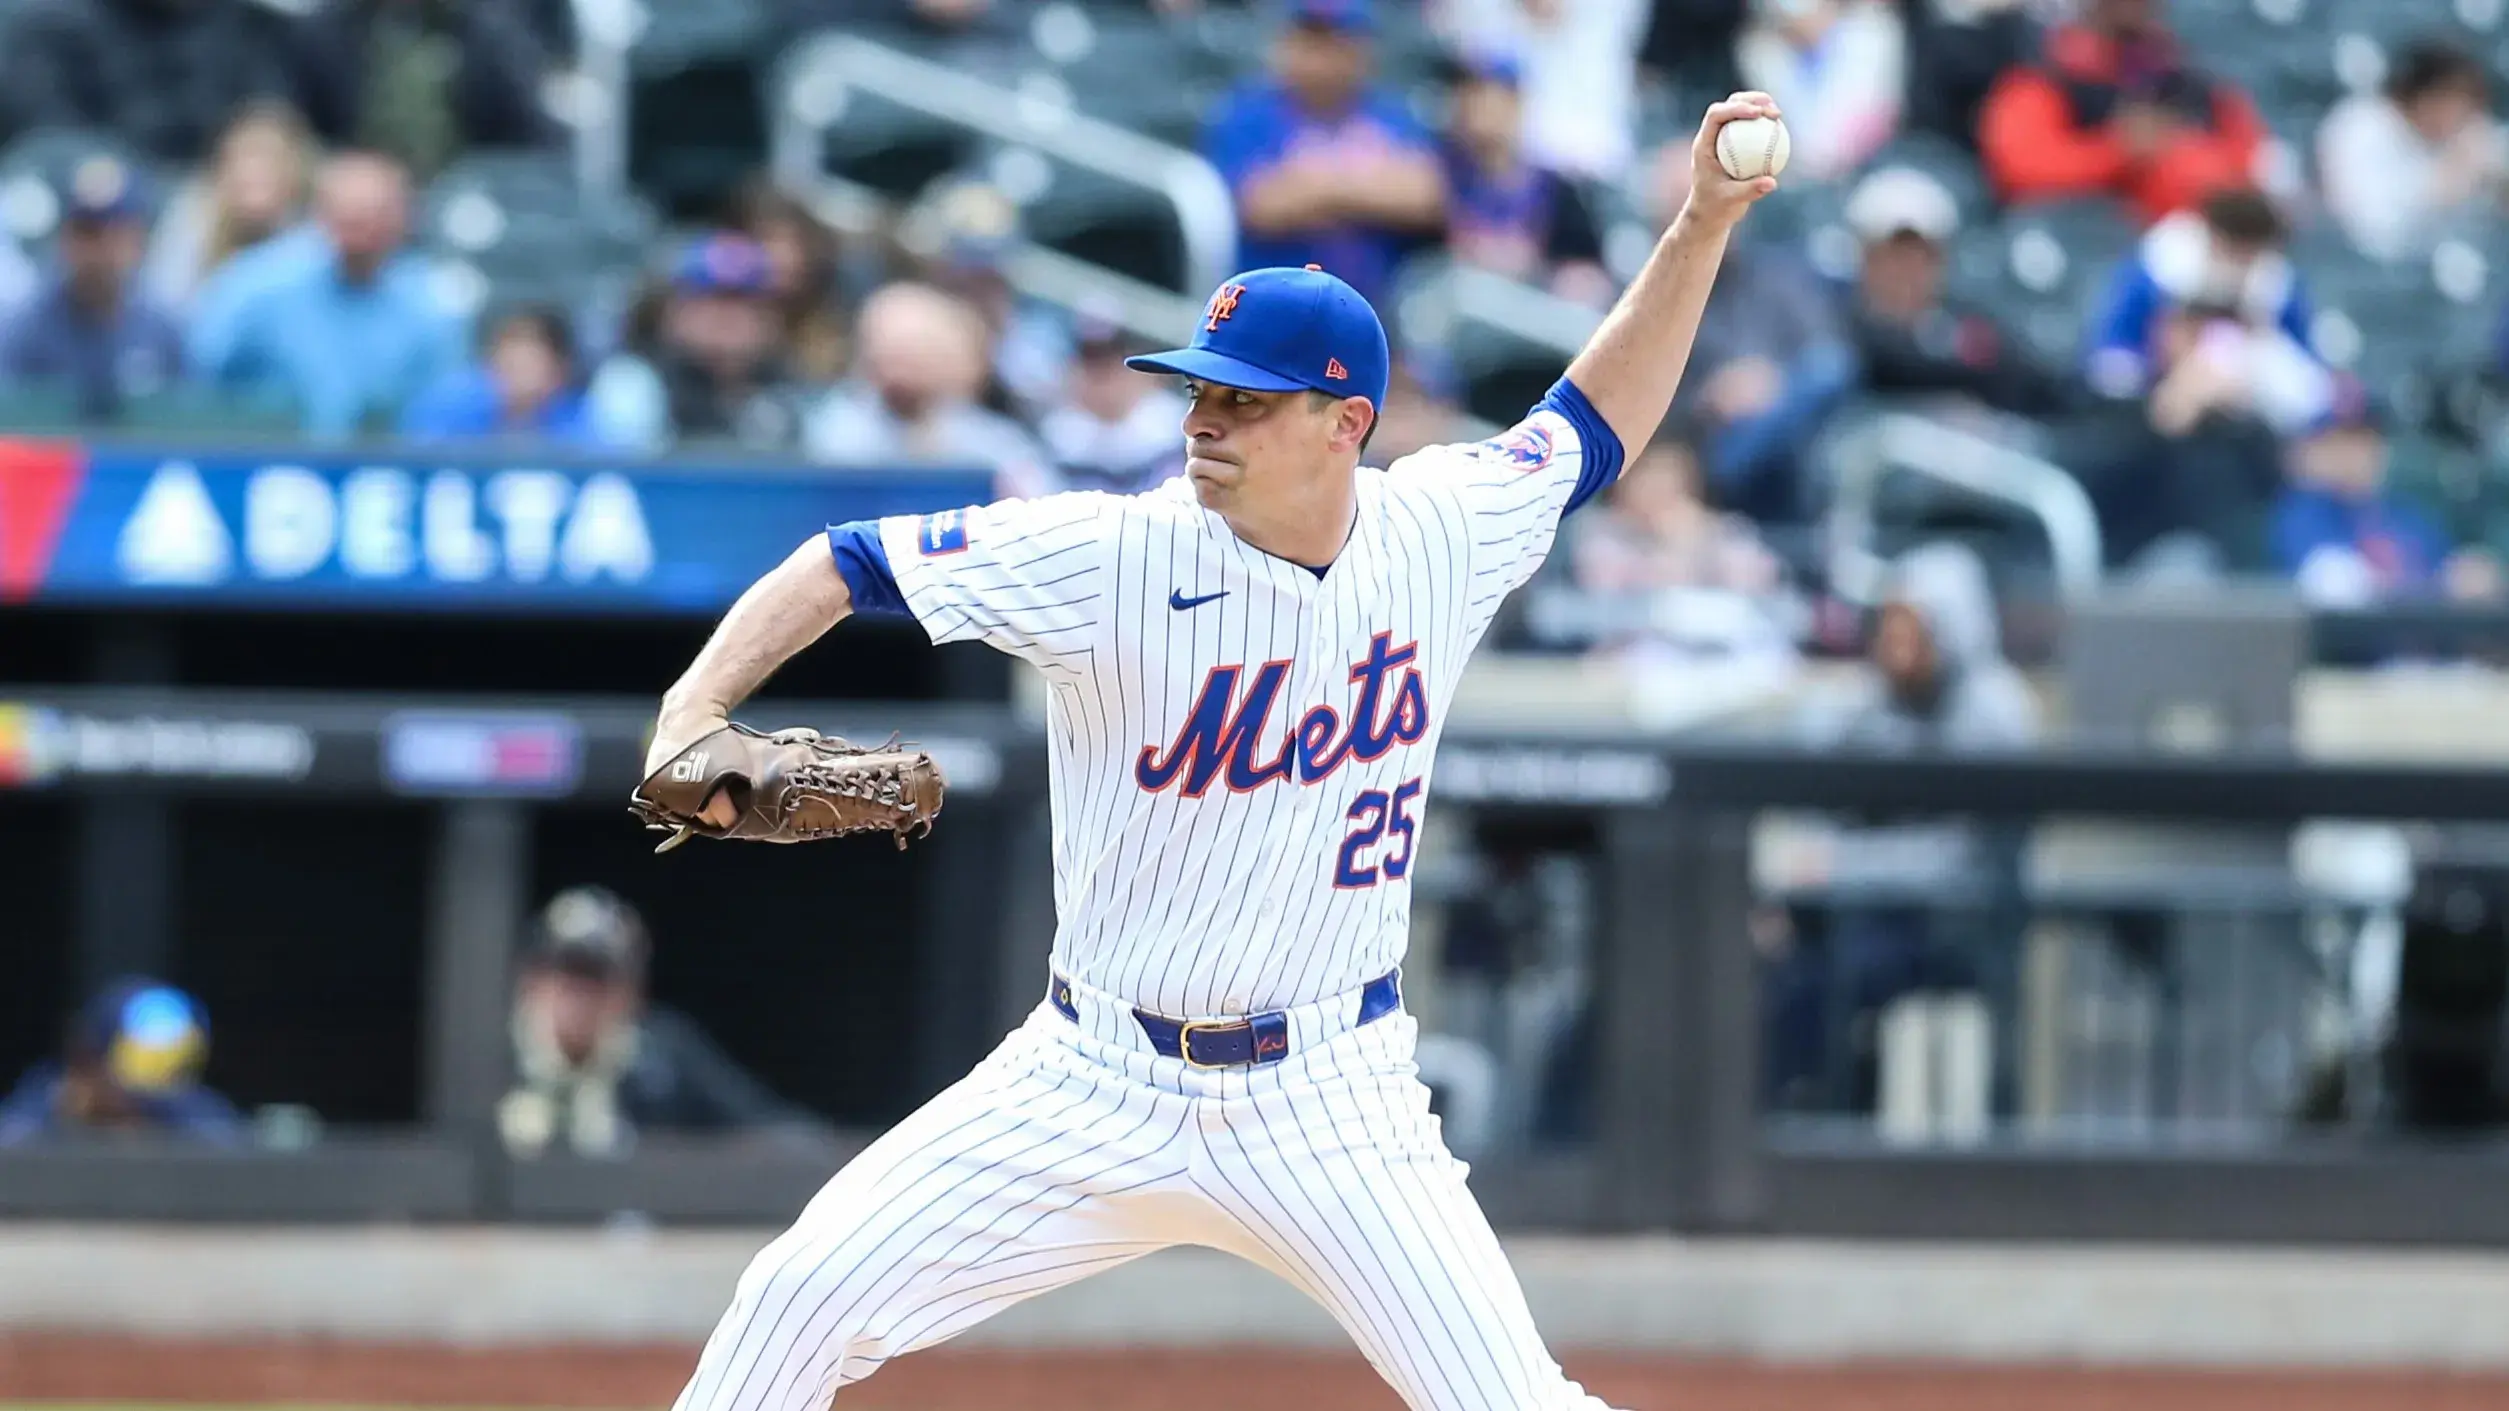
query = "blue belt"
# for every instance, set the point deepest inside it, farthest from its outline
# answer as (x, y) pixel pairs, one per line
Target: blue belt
(1234, 1043)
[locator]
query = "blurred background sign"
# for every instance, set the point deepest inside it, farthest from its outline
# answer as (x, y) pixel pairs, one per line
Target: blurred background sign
(303, 527)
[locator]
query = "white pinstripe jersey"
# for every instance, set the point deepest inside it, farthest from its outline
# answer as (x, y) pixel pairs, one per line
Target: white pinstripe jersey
(1240, 750)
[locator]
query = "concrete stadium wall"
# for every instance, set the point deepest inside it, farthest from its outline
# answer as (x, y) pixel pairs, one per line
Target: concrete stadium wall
(1776, 1300)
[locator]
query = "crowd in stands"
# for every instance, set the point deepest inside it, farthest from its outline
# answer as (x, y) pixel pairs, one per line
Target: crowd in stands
(253, 241)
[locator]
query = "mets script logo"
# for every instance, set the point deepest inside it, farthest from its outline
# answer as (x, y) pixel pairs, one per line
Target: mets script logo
(1526, 447)
(1219, 739)
(1223, 306)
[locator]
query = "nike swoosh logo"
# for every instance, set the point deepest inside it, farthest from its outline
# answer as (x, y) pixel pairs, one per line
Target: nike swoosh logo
(1177, 600)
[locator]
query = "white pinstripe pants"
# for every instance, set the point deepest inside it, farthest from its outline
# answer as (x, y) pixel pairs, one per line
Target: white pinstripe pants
(1061, 1156)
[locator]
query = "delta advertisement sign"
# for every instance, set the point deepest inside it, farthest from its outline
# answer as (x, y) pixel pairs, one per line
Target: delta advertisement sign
(98, 523)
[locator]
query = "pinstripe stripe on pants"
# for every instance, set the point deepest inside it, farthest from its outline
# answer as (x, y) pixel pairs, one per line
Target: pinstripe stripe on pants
(1062, 1156)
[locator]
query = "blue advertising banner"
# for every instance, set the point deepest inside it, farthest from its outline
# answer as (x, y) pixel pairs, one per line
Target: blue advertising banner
(114, 524)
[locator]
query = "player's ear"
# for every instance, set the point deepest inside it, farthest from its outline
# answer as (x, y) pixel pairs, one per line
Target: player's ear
(1354, 420)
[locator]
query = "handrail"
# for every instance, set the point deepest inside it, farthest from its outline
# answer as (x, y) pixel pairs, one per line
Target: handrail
(1458, 292)
(1943, 453)
(605, 30)
(821, 71)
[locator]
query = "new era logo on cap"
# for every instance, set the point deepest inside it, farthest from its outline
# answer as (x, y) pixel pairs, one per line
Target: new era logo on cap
(1333, 369)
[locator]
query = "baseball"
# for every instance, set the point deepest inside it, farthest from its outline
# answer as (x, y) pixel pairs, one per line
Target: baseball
(1753, 147)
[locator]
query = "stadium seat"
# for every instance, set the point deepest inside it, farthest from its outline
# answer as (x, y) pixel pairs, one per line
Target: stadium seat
(1947, 162)
(696, 117)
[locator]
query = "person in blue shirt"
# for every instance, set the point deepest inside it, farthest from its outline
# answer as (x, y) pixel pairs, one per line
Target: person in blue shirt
(337, 316)
(2347, 541)
(89, 329)
(131, 1065)
(2227, 255)
(1327, 169)
(1505, 213)
(525, 386)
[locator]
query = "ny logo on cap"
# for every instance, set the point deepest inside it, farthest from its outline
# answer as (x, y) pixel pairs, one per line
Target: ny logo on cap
(1223, 306)
(1333, 369)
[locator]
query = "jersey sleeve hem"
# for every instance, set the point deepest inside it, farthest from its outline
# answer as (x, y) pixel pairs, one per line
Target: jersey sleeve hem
(863, 561)
(1599, 450)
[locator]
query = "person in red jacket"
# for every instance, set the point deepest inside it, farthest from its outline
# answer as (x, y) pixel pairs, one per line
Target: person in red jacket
(2113, 108)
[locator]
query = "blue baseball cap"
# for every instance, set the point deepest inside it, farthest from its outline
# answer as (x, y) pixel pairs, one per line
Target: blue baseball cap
(1494, 66)
(1284, 330)
(723, 264)
(149, 1037)
(101, 189)
(1340, 16)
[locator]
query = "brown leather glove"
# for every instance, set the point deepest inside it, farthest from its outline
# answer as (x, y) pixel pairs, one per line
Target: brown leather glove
(791, 786)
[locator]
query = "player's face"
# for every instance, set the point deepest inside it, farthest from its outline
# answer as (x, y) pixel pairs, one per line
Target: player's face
(1239, 443)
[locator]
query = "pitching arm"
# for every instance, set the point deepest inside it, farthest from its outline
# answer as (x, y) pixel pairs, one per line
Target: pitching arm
(1633, 364)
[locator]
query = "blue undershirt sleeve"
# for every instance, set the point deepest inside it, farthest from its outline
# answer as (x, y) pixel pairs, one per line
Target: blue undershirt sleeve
(865, 567)
(1599, 447)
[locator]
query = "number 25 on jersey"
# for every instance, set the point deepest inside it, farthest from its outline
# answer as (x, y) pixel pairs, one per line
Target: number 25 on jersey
(1379, 814)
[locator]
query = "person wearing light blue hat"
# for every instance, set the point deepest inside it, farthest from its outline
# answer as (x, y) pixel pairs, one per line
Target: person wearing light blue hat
(132, 1064)
(1245, 673)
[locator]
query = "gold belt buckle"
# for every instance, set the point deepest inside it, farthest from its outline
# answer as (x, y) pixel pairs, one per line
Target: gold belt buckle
(1185, 1040)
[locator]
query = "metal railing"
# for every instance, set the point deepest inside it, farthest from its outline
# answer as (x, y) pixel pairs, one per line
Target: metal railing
(1899, 441)
(1435, 308)
(822, 74)
(605, 30)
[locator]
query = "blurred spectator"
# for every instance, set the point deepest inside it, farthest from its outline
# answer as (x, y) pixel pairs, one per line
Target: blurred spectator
(2206, 337)
(1420, 407)
(339, 317)
(164, 74)
(2347, 541)
(253, 189)
(1840, 70)
(2398, 163)
(131, 1064)
(914, 395)
(1956, 51)
(421, 79)
(803, 274)
(1686, 581)
(711, 364)
(1911, 340)
(525, 387)
(1115, 430)
(90, 329)
(1771, 360)
(1936, 680)
(1505, 214)
(1579, 70)
(2227, 256)
(1655, 532)
(2190, 486)
(967, 229)
(2113, 108)
(597, 1066)
(1327, 169)
(1691, 43)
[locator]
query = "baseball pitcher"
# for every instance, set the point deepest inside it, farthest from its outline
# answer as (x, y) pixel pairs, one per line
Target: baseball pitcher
(1248, 669)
